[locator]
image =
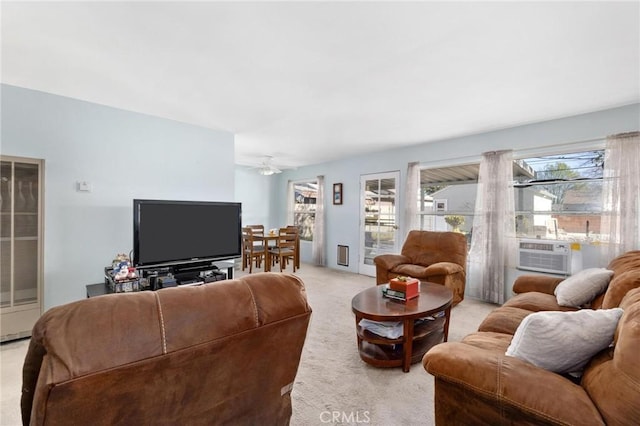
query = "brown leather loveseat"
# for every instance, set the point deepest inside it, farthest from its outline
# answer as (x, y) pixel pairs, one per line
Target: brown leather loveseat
(220, 353)
(476, 383)
(437, 257)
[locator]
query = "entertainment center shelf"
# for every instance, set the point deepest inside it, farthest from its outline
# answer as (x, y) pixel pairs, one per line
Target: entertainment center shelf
(100, 289)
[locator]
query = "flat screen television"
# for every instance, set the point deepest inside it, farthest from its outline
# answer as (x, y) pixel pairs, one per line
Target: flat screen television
(181, 232)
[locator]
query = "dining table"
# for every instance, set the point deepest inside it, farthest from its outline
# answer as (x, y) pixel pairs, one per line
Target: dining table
(267, 238)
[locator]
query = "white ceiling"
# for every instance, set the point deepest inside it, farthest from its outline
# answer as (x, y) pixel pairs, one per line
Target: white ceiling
(308, 82)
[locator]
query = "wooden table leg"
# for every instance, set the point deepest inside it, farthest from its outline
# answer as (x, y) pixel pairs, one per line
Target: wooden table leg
(359, 339)
(407, 347)
(447, 318)
(267, 258)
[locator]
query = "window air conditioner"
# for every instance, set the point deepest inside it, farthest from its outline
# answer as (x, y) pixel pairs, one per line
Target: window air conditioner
(544, 256)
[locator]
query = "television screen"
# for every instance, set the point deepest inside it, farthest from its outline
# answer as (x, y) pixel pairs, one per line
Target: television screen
(170, 232)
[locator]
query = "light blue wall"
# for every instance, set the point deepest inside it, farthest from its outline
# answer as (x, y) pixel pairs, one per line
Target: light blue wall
(123, 155)
(254, 191)
(342, 221)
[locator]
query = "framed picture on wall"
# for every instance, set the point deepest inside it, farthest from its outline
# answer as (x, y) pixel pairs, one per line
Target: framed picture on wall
(337, 193)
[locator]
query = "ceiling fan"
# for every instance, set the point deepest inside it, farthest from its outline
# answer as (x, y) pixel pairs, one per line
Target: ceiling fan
(266, 168)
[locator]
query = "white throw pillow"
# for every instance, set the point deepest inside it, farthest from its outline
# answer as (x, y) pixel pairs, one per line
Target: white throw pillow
(564, 342)
(582, 287)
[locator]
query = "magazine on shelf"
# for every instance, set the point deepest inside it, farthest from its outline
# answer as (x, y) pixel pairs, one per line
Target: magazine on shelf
(388, 329)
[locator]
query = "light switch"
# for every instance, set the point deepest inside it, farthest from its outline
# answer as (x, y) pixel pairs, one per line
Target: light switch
(83, 186)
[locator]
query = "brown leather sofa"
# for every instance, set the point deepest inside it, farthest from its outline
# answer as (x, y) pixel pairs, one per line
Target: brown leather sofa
(220, 353)
(437, 257)
(476, 383)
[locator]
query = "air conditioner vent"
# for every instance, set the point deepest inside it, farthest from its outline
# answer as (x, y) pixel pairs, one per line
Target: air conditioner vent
(544, 256)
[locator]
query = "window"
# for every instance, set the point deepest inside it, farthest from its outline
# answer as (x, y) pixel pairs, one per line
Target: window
(556, 197)
(304, 207)
(447, 198)
(564, 199)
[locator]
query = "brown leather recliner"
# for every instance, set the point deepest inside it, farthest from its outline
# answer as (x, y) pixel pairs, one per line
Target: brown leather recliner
(476, 383)
(437, 257)
(220, 353)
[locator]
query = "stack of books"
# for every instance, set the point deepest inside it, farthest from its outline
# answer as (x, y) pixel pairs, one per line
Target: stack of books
(394, 294)
(402, 288)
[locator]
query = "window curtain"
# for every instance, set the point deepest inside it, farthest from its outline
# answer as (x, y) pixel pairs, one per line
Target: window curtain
(290, 202)
(493, 234)
(621, 189)
(410, 198)
(317, 249)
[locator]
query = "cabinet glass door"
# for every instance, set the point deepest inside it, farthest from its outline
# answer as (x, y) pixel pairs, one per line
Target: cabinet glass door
(20, 245)
(6, 231)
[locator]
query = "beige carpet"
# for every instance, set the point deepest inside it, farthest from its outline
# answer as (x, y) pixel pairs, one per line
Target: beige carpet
(333, 386)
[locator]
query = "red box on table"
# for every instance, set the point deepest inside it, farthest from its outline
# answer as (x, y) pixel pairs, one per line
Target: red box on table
(409, 286)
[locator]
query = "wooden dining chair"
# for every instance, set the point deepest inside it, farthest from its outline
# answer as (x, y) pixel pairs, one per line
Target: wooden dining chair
(285, 248)
(258, 230)
(251, 252)
(293, 228)
(258, 236)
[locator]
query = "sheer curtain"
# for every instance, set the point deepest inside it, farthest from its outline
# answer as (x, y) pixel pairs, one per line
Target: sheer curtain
(493, 235)
(621, 193)
(317, 250)
(410, 197)
(290, 202)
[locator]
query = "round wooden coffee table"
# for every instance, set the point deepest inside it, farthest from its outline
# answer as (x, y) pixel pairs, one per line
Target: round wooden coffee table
(425, 322)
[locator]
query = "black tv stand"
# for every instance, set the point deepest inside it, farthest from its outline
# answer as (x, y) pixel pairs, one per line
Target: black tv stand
(192, 275)
(187, 273)
(193, 270)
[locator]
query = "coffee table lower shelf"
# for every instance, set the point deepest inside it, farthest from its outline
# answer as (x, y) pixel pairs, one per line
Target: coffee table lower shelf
(382, 352)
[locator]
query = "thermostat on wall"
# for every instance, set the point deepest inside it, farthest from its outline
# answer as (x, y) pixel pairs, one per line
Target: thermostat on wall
(83, 186)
